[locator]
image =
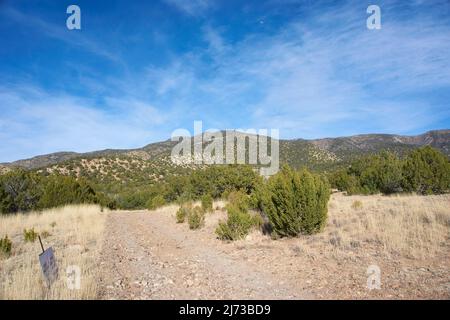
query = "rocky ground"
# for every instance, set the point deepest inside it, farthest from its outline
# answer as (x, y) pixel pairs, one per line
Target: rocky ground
(147, 255)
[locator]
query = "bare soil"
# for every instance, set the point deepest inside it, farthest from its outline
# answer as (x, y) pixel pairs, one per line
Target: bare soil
(147, 255)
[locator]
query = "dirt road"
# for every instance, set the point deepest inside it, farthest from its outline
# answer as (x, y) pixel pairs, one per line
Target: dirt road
(146, 255)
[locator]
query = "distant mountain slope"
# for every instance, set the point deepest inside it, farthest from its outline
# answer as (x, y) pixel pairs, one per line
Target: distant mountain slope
(439, 139)
(318, 153)
(43, 161)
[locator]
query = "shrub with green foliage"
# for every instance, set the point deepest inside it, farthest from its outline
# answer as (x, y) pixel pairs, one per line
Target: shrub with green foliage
(183, 212)
(29, 235)
(5, 246)
(179, 189)
(215, 181)
(343, 181)
(184, 198)
(426, 171)
(156, 202)
(295, 202)
(196, 218)
(63, 190)
(239, 221)
(135, 199)
(106, 202)
(207, 203)
(237, 225)
(373, 174)
(382, 173)
(20, 190)
(239, 200)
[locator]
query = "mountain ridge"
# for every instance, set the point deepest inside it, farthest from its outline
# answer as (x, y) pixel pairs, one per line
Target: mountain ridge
(324, 149)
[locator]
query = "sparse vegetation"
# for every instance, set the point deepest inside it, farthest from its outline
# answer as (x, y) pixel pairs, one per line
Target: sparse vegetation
(5, 246)
(291, 203)
(239, 200)
(156, 202)
(183, 212)
(207, 203)
(196, 218)
(79, 227)
(411, 225)
(44, 234)
(239, 221)
(357, 204)
(237, 225)
(29, 235)
(135, 181)
(406, 235)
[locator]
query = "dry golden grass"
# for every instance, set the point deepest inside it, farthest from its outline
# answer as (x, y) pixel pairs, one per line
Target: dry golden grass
(407, 226)
(414, 226)
(75, 233)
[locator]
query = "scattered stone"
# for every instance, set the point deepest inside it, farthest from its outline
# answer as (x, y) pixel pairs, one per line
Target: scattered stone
(189, 283)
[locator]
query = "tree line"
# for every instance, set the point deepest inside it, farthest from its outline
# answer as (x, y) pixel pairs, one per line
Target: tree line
(217, 181)
(22, 190)
(292, 201)
(422, 171)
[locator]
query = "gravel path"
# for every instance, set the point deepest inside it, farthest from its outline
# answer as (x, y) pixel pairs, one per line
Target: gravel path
(146, 255)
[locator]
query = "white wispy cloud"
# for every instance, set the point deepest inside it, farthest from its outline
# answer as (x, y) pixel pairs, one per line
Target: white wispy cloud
(331, 76)
(34, 23)
(325, 76)
(191, 7)
(37, 122)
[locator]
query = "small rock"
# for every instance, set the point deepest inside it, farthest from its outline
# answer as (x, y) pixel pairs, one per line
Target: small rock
(189, 283)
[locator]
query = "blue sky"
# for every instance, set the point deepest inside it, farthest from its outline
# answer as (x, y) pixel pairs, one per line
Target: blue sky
(138, 70)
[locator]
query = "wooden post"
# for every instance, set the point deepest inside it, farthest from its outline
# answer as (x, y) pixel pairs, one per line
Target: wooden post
(40, 241)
